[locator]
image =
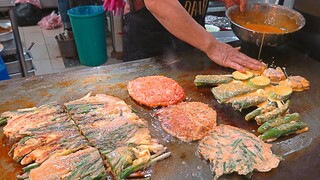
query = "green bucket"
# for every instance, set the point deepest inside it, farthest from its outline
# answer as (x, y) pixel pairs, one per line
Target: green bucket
(89, 29)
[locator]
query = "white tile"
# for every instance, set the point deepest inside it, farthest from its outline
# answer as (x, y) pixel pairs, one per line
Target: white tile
(50, 40)
(57, 63)
(36, 37)
(43, 67)
(50, 33)
(53, 50)
(64, 70)
(32, 29)
(39, 52)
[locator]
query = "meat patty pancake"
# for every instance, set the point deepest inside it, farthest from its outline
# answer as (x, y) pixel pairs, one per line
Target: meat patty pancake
(156, 91)
(230, 149)
(188, 121)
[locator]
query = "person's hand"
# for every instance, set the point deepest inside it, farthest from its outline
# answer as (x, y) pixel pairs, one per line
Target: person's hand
(241, 3)
(227, 56)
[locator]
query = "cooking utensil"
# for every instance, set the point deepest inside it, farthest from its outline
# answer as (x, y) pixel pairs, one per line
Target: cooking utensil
(265, 14)
(6, 36)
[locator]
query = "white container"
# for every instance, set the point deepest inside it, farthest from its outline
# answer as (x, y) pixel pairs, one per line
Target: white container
(6, 36)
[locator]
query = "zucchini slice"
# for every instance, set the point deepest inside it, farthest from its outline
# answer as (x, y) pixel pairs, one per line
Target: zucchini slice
(242, 76)
(212, 80)
(281, 92)
(259, 82)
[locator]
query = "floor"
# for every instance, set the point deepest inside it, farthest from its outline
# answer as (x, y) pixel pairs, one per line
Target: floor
(45, 51)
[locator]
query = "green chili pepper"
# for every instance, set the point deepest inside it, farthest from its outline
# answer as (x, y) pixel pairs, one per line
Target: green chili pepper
(278, 121)
(282, 130)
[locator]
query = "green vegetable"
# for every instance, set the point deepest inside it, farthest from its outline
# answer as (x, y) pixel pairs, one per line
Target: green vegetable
(134, 111)
(259, 82)
(236, 143)
(30, 166)
(269, 107)
(281, 92)
(242, 76)
(211, 80)
(284, 129)
(135, 168)
(3, 120)
(225, 92)
(278, 121)
(262, 118)
(247, 102)
(253, 114)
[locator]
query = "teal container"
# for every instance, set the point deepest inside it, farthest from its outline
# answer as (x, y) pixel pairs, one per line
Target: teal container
(89, 29)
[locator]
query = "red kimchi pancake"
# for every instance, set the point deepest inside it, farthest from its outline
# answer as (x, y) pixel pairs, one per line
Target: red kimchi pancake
(188, 121)
(153, 91)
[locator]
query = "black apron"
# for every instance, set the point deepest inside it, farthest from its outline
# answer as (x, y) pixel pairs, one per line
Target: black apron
(145, 37)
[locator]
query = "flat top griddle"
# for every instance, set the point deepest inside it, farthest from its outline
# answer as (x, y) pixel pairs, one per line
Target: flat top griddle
(301, 152)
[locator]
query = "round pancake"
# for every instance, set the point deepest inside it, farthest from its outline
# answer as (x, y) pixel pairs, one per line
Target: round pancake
(153, 91)
(188, 121)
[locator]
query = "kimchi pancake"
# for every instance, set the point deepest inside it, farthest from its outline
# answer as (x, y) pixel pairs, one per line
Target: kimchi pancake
(188, 121)
(230, 149)
(153, 91)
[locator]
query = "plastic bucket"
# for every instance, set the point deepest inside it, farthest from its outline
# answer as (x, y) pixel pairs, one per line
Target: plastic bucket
(88, 25)
(3, 71)
(67, 47)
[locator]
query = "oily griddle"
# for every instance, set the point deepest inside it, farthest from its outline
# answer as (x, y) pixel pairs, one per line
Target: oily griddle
(300, 151)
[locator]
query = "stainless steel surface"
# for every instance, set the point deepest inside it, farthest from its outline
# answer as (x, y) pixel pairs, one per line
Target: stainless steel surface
(17, 40)
(30, 72)
(5, 5)
(225, 36)
(9, 48)
(300, 152)
(268, 14)
(13, 65)
(6, 36)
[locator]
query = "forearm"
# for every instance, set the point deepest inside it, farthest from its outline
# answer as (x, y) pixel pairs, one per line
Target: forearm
(178, 22)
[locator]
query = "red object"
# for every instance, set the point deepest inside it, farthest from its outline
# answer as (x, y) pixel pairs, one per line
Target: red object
(115, 6)
(154, 91)
(51, 21)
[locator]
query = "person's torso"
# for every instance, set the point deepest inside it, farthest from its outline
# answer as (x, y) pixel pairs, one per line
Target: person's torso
(196, 8)
(142, 30)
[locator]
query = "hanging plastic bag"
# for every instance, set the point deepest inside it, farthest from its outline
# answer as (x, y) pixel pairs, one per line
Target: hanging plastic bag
(52, 21)
(33, 2)
(115, 6)
(27, 14)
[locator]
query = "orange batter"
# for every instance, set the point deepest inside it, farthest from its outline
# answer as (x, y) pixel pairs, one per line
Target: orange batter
(264, 28)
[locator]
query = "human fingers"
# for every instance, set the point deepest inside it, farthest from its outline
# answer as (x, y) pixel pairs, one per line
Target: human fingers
(247, 61)
(243, 4)
(236, 66)
(228, 3)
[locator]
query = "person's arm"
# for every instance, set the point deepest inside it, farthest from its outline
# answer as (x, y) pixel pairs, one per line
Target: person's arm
(177, 21)
(229, 3)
